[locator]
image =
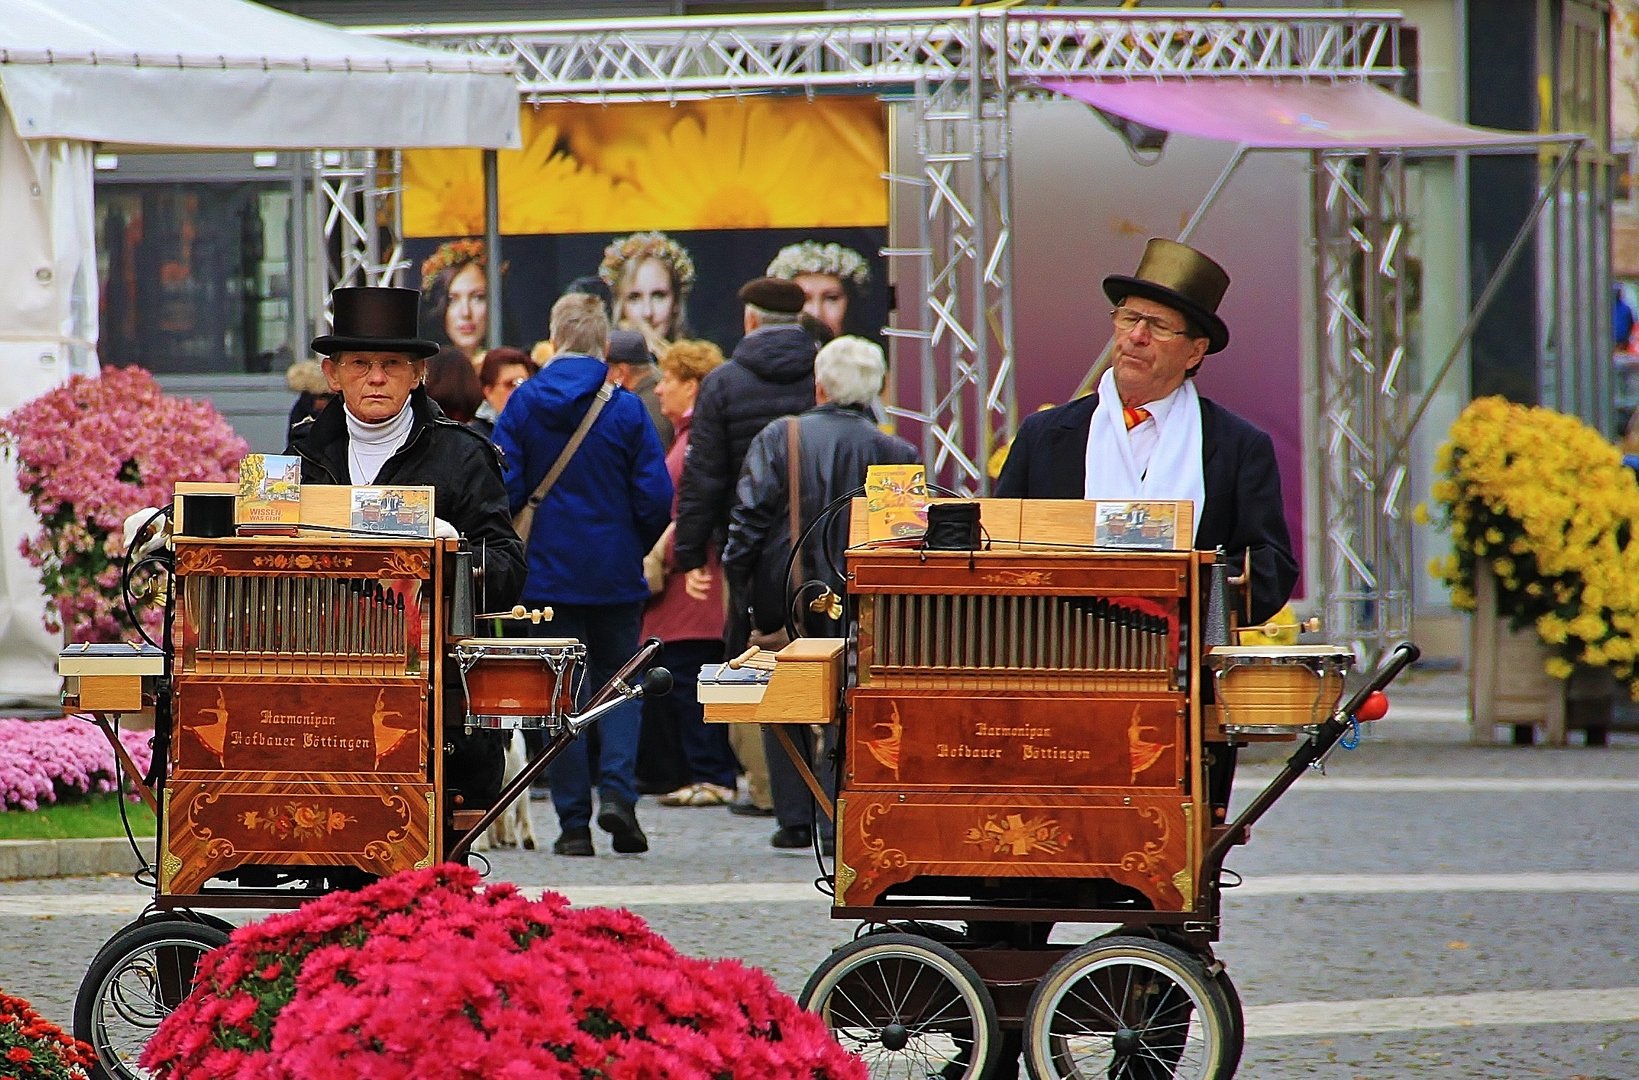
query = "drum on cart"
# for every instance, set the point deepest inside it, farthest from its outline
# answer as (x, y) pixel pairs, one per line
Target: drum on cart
(519, 683)
(1277, 689)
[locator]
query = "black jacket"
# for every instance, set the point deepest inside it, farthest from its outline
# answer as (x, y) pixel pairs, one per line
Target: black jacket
(770, 375)
(1243, 509)
(459, 465)
(835, 445)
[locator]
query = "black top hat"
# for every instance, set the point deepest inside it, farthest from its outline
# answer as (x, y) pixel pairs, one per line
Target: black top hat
(376, 319)
(1180, 277)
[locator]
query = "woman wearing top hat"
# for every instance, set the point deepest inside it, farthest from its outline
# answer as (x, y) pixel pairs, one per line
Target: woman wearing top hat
(388, 431)
(1147, 434)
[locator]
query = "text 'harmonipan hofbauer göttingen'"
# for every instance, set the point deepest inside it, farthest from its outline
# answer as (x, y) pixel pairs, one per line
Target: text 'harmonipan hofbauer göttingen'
(305, 719)
(1029, 751)
(307, 740)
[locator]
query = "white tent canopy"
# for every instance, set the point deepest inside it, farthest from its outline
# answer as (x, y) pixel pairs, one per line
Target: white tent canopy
(177, 74)
(227, 73)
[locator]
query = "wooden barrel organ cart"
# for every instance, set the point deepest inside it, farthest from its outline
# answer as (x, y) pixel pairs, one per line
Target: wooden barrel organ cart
(1027, 740)
(300, 711)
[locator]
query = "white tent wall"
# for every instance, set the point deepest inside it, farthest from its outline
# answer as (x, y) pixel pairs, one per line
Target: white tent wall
(186, 74)
(48, 331)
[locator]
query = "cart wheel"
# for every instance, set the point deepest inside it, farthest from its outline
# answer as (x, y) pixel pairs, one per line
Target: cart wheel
(136, 981)
(908, 1006)
(1236, 1042)
(1128, 1008)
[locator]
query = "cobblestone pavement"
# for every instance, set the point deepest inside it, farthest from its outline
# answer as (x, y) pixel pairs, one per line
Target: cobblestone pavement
(1426, 909)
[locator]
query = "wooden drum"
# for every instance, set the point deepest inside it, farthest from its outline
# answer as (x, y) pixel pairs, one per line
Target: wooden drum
(518, 683)
(1277, 689)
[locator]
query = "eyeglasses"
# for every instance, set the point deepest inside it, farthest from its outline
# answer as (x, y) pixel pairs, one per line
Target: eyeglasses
(359, 367)
(1127, 321)
(513, 384)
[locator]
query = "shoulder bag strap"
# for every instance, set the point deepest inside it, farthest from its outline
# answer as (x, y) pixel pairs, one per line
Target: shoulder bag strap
(605, 392)
(794, 487)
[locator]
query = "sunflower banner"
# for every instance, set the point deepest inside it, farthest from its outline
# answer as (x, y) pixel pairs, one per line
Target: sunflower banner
(673, 207)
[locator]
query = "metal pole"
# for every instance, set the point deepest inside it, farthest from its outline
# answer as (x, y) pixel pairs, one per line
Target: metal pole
(1481, 306)
(492, 246)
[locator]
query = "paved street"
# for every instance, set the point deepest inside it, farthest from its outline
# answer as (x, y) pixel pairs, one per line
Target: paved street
(1427, 909)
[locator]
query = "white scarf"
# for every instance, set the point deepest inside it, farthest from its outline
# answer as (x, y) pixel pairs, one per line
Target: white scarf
(370, 445)
(1175, 469)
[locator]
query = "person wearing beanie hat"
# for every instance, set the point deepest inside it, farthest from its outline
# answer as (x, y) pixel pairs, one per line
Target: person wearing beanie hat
(632, 365)
(773, 296)
(770, 374)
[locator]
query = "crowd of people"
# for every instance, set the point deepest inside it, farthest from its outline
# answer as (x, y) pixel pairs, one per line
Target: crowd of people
(670, 484)
(646, 456)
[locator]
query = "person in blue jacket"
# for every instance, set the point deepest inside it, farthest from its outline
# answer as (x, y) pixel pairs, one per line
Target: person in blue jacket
(584, 553)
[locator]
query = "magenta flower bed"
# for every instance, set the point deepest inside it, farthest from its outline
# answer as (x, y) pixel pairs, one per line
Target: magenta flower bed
(45, 761)
(89, 453)
(421, 975)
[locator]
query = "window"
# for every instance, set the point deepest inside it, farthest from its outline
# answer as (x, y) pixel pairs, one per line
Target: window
(195, 276)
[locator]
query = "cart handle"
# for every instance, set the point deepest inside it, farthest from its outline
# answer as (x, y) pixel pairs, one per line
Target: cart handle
(656, 682)
(1313, 749)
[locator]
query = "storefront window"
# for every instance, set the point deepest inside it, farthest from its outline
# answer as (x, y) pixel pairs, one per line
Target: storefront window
(195, 277)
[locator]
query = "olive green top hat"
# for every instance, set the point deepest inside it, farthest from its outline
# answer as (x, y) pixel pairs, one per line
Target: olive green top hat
(374, 319)
(1180, 277)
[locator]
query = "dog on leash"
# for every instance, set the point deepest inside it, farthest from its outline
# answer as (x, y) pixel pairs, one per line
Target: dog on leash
(516, 827)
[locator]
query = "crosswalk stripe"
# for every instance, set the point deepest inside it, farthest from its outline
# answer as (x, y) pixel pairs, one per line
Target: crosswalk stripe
(38, 905)
(1514, 1008)
(1247, 781)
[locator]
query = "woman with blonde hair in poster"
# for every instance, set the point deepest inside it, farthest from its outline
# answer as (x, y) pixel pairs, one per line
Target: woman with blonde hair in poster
(650, 276)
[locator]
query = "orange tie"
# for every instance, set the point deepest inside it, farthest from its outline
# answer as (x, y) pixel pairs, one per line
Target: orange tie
(1134, 417)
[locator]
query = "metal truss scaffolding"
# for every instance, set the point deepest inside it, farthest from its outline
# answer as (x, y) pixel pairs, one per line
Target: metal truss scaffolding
(1360, 231)
(955, 71)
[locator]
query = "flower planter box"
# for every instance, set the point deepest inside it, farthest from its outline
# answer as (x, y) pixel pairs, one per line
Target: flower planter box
(1507, 684)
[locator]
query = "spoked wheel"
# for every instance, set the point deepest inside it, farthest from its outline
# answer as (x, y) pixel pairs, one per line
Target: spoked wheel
(1127, 1008)
(136, 981)
(1237, 1025)
(909, 1007)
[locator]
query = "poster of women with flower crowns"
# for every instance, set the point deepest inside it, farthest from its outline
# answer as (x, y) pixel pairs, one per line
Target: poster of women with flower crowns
(672, 207)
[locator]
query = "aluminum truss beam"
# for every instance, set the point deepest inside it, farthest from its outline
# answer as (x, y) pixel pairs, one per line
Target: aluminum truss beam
(1363, 409)
(958, 69)
(672, 57)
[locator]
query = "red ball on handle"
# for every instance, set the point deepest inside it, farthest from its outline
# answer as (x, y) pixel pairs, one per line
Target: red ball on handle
(1375, 707)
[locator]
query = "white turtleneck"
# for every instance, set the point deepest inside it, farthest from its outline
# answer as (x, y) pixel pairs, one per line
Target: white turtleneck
(370, 445)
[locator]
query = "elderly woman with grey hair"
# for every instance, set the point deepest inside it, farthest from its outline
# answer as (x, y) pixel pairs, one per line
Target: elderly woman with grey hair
(836, 441)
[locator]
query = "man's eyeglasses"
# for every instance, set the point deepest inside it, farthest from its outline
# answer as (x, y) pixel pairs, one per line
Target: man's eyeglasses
(1127, 321)
(360, 368)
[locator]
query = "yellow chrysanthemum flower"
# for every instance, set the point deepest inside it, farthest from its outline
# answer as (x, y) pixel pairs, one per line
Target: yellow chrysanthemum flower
(1545, 502)
(740, 163)
(542, 187)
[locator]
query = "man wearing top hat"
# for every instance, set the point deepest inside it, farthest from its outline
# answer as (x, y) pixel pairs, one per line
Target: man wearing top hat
(388, 431)
(1147, 434)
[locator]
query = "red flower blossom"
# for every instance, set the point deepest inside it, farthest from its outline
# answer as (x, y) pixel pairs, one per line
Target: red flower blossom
(37, 1047)
(424, 975)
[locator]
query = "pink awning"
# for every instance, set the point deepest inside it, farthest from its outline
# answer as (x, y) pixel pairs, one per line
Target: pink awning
(1291, 115)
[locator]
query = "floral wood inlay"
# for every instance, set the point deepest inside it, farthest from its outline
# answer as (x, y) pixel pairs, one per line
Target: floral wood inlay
(299, 820)
(1018, 577)
(1013, 835)
(193, 560)
(302, 561)
(411, 564)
